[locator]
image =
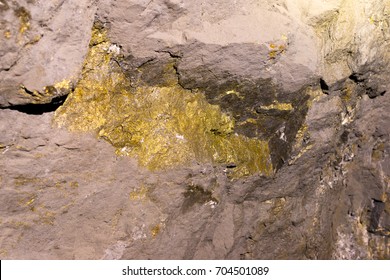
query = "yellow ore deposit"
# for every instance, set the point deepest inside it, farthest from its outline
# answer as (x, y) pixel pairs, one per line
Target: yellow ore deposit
(162, 126)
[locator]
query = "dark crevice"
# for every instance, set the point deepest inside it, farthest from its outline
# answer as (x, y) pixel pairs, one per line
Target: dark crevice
(171, 53)
(28, 91)
(355, 77)
(175, 67)
(150, 60)
(324, 86)
(39, 109)
(376, 213)
(372, 93)
(371, 89)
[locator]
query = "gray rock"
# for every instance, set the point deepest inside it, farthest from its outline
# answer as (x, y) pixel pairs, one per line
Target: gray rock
(216, 40)
(67, 195)
(42, 44)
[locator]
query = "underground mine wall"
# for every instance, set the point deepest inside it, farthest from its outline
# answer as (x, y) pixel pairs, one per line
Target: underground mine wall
(214, 130)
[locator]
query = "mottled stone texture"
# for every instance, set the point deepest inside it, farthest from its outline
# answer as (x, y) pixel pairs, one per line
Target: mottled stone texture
(42, 43)
(309, 77)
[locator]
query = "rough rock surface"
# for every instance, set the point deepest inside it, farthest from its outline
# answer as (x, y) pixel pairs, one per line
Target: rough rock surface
(309, 77)
(42, 43)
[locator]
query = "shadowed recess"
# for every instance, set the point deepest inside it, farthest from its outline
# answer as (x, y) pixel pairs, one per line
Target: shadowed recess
(39, 109)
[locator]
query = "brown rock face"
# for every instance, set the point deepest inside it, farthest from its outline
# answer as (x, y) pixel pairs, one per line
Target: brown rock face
(177, 129)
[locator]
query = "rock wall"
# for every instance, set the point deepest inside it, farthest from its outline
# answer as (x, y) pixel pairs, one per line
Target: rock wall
(174, 129)
(43, 45)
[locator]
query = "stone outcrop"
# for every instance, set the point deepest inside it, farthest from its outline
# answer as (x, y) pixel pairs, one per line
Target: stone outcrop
(194, 129)
(42, 47)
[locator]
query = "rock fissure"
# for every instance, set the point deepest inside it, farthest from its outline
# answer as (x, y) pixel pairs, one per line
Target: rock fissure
(39, 109)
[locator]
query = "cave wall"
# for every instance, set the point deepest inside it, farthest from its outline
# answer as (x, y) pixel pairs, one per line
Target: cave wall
(176, 129)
